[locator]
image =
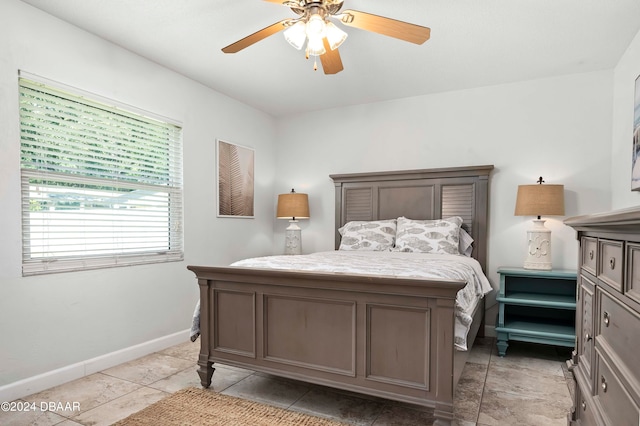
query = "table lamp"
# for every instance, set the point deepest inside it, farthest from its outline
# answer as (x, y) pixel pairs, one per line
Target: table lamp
(293, 206)
(539, 200)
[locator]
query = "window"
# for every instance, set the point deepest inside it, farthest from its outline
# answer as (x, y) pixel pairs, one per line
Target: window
(101, 186)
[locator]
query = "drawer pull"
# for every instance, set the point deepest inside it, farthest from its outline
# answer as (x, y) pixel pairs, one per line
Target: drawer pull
(606, 318)
(591, 255)
(587, 338)
(603, 384)
(584, 405)
(612, 263)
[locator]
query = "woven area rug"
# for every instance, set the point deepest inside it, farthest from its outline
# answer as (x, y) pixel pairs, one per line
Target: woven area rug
(199, 407)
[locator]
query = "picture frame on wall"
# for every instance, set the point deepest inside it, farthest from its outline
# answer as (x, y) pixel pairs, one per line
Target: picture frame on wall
(235, 175)
(635, 159)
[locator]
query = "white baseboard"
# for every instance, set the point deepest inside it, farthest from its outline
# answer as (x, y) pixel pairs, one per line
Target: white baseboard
(47, 380)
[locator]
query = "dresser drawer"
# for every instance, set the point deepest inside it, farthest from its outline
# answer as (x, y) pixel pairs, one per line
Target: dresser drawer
(611, 263)
(619, 327)
(616, 404)
(589, 254)
(586, 340)
(632, 285)
(585, 412)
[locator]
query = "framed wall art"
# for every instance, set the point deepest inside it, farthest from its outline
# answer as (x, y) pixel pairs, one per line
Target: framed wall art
(635, 159)
(235, 170)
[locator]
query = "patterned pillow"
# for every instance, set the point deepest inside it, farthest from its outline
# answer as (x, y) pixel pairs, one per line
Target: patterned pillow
(428, 236)
(375, 235)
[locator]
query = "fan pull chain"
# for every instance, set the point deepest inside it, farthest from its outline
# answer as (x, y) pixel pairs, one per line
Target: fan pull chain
(315, 58)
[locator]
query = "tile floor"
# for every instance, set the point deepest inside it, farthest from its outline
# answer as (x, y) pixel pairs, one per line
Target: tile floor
(529, 386)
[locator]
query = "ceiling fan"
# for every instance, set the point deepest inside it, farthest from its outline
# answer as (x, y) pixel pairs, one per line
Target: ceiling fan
(315, 27)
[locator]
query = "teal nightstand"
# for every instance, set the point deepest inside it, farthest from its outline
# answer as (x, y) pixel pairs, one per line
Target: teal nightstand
(536, 306)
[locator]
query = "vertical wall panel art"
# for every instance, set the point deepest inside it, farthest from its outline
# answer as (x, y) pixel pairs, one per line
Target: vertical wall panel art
(235, 180)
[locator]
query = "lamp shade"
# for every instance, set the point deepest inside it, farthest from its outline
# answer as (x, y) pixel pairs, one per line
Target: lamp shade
(293, 206)
(296, 35)
(540, 200)
(335, 36)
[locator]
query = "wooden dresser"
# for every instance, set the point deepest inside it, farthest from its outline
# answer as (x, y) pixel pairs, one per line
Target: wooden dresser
(606, 360)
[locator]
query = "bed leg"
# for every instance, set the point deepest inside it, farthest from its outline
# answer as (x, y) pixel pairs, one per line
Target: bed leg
(443, 414)
(205, 371)
(442, 422)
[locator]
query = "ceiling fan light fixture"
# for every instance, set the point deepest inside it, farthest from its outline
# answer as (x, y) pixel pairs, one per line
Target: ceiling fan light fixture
(315, 46)
(296, 34)
(316, 27)
(335, 36)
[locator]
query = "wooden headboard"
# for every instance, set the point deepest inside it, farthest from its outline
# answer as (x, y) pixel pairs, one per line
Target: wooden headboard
(418, 194)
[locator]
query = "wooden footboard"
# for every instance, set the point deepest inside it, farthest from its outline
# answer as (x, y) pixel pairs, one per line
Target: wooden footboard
(382, 336)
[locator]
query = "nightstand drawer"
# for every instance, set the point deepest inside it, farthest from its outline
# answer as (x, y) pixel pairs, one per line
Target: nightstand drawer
(617, 405)
(589, 254)
(611, 263)
(619, 327)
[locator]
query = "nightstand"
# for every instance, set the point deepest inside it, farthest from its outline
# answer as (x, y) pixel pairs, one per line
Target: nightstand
(536, 306)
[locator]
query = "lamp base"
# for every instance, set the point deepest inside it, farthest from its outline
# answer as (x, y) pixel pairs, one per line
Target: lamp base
(539, 247)
(293, 238)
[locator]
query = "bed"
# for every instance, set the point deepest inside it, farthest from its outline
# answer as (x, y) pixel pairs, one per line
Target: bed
(384, 334)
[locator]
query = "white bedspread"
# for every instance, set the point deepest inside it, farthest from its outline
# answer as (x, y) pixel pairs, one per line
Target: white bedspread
(396, 264)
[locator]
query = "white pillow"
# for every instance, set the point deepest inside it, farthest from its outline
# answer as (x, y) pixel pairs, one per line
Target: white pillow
(428, 236)
(465, 245)
(374, 235)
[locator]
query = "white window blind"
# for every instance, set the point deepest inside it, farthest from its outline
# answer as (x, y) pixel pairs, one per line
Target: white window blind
(101, 186)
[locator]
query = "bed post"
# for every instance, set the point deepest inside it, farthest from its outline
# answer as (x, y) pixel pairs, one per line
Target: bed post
(481, 220)
(205, 369)
(338, 213)
(445, 315)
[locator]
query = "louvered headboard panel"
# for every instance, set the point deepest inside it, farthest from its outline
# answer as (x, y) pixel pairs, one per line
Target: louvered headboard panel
(360, 202)
(418, 194)
(459, 200)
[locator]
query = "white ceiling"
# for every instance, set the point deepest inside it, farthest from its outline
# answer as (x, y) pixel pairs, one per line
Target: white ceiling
(473, 43)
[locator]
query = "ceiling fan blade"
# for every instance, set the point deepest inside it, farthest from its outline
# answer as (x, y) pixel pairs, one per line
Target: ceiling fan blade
(386, 26)
(331, 61)
(256, 37)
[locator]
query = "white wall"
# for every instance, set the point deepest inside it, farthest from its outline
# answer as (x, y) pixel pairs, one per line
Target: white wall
(625, 74)
(49, 322)
(558, 128)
